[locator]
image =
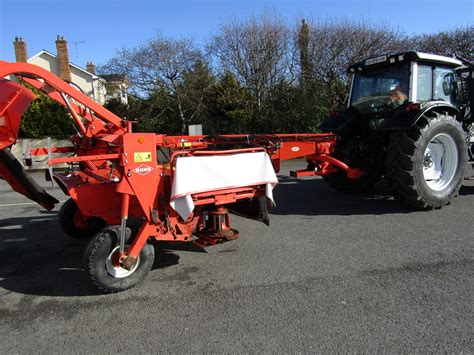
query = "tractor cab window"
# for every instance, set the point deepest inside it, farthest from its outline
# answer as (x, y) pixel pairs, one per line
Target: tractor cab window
(424, 83)
(435, 84)
(380, 89)
(444, 85)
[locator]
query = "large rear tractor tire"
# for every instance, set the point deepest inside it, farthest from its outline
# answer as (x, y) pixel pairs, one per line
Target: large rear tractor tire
(426, 163)
(74, 224)
(101, 261)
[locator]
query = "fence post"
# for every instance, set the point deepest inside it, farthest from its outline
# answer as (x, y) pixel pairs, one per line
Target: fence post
(26, 152)
(50, 167)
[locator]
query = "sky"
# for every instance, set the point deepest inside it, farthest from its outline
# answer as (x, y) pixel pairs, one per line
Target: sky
(96, 29)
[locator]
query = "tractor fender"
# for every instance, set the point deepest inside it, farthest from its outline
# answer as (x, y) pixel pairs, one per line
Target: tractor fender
(436, 106)
(408, 115)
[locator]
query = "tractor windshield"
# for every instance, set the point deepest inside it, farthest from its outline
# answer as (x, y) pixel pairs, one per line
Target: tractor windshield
(380, 89)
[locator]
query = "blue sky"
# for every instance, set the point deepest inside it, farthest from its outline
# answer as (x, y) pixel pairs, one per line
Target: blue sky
(96, 29)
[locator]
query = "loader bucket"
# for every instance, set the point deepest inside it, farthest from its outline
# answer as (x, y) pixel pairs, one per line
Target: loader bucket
(14, 100)
(13, 172)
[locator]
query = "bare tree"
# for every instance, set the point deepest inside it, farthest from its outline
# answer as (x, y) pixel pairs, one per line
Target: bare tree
(158, 64)
(333, 45)
(459, 41)
(257, 52)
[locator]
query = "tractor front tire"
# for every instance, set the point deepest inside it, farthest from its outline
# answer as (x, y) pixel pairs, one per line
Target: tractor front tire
(425, 164)
(74, 224)
(100, 261)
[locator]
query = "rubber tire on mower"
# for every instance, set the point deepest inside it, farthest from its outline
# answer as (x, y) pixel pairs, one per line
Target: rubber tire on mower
(67, 217)
(98, 265)
(408, 155)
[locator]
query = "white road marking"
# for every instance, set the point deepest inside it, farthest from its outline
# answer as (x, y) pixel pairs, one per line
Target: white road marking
(52, 218)
(13, 227)
(18, 204)
(15, 240)
(23, 204)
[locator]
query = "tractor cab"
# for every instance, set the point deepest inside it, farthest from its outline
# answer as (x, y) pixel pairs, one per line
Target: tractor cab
(385, 83)
(390, 91)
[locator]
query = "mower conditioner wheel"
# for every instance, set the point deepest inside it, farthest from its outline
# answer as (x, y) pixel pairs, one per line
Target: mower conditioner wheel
(74, 224)
(426, 164)
(101, 261)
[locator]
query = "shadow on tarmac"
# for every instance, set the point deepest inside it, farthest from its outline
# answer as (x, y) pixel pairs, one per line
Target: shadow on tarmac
(466, 190)
(314, 197)
(37, 258)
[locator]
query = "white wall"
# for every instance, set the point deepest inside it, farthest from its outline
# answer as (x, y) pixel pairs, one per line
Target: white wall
(92, 85)
(40, 162)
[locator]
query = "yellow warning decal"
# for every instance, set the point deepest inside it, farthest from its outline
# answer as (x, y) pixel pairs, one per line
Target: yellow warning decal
(141, 157)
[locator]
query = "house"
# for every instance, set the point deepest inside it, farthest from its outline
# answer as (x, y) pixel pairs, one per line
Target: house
(95, 86)
(116, 87)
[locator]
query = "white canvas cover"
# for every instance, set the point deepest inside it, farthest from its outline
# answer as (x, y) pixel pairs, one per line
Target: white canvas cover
(197, 174)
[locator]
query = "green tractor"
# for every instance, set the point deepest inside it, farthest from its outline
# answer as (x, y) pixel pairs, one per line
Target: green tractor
(408, 119)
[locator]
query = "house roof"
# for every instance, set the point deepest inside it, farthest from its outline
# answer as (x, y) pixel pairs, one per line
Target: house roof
(114, 77)
(43, 51)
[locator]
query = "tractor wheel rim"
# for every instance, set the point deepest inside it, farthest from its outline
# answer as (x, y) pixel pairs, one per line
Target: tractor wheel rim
(440, 162)
(118, 271)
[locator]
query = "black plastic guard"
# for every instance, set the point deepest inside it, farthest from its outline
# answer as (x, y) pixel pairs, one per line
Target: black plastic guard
(13, 172)
(255, 208)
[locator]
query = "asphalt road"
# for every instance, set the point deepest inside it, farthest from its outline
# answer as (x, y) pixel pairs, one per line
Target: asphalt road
(334, 272)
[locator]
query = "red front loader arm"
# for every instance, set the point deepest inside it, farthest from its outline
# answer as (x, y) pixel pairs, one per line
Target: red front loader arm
(14, 100)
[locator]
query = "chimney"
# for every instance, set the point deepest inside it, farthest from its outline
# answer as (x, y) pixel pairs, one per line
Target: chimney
(90, 67)
(21, 54)
(63, 58)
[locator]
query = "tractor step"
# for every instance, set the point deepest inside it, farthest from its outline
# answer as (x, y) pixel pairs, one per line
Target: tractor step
(303, 172)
